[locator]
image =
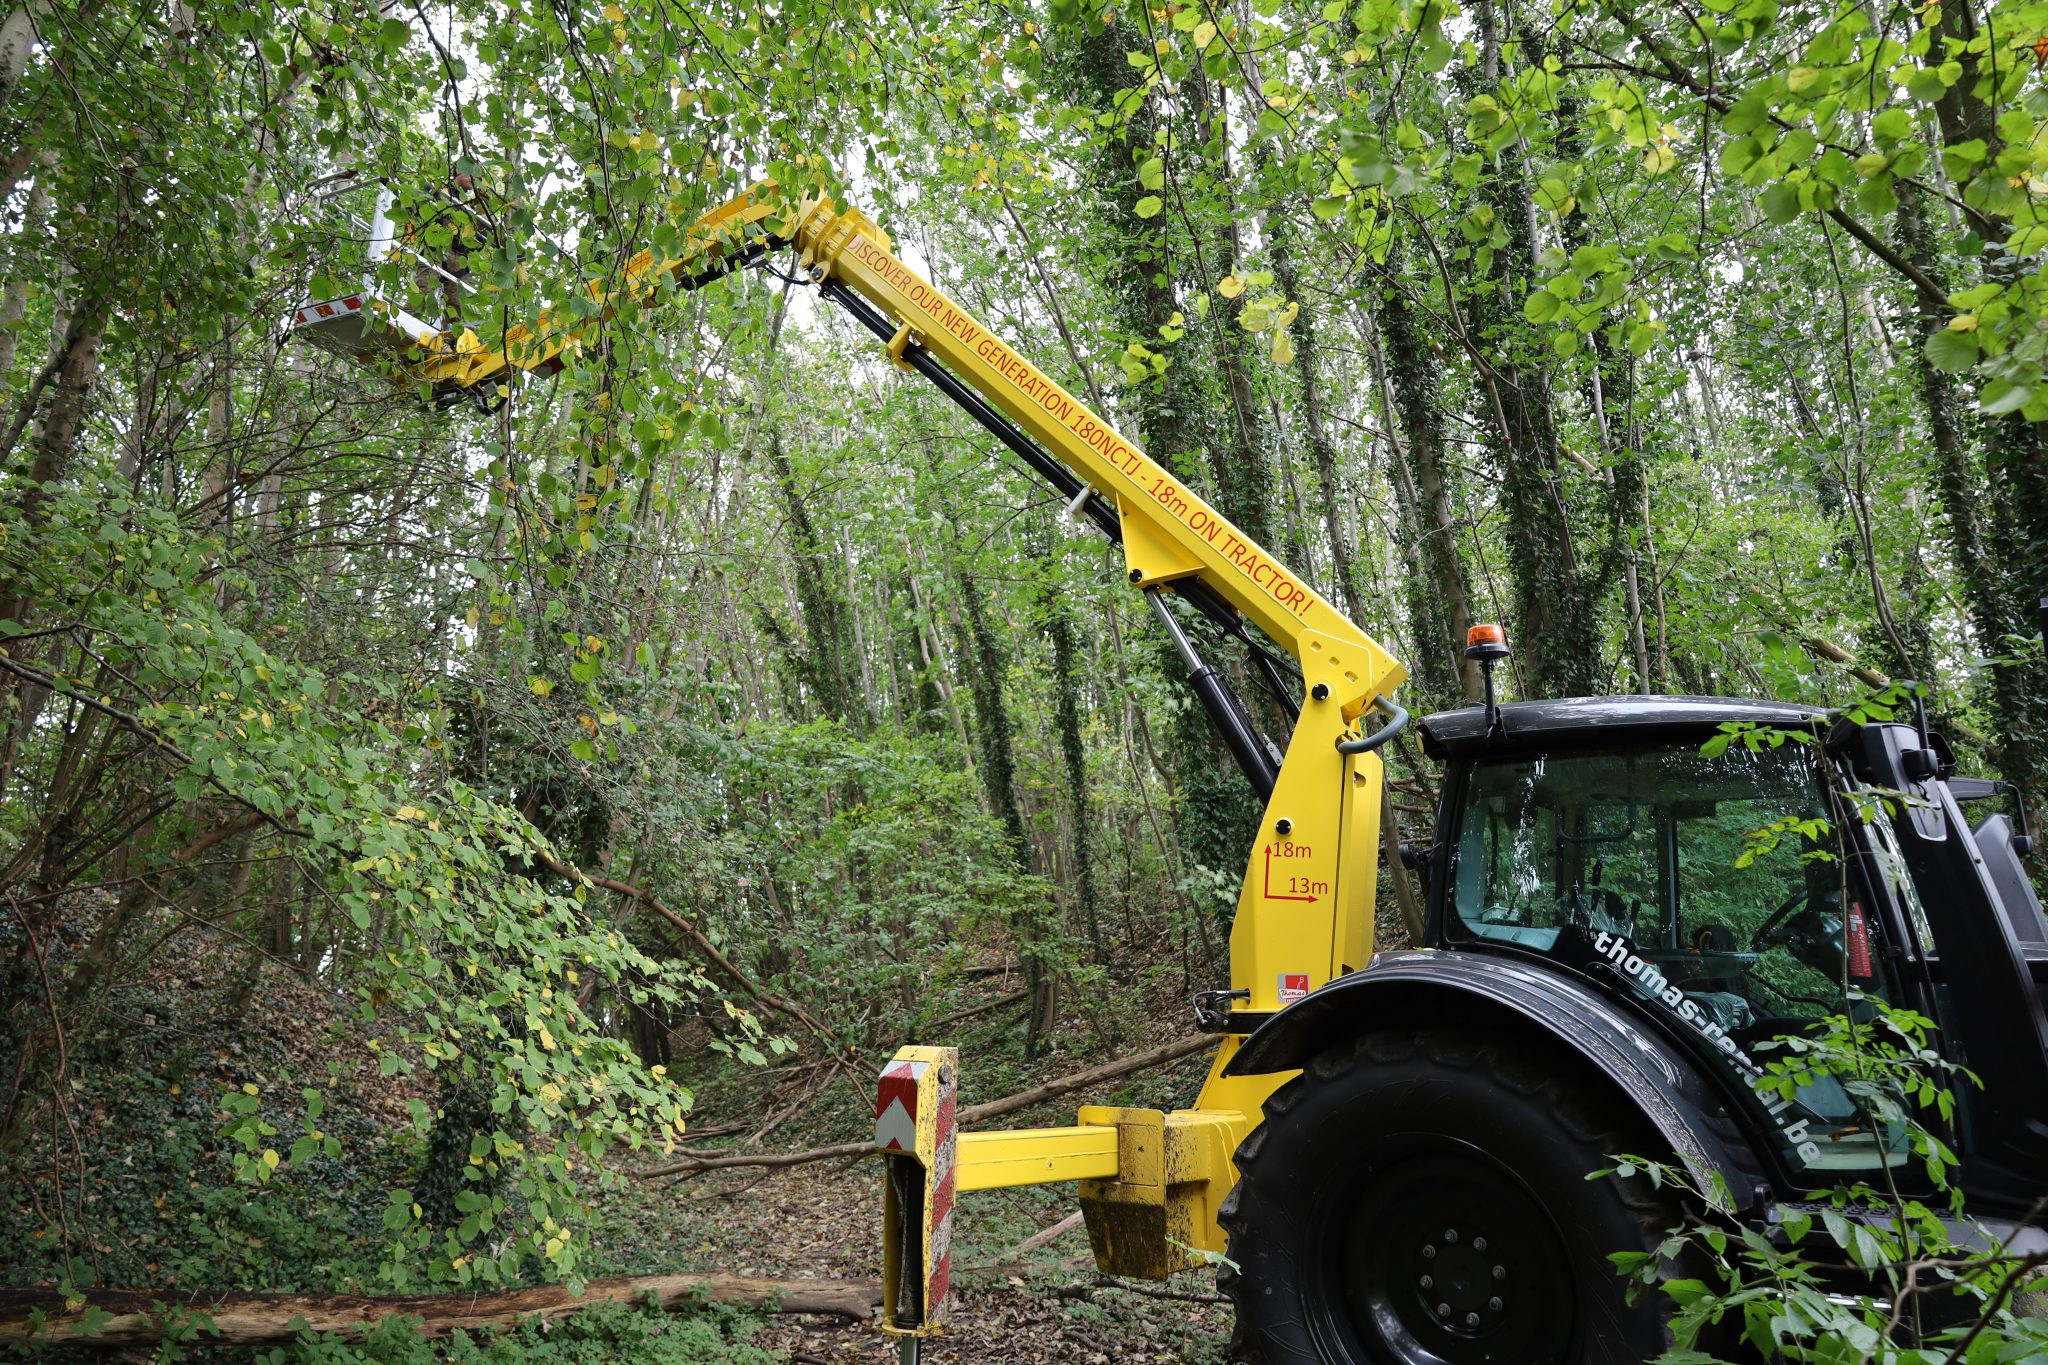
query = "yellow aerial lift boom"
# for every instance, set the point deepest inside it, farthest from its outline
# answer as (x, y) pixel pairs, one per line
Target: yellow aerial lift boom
(1151, 1182)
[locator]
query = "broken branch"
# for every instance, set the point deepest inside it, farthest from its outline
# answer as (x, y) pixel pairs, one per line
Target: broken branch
(1023, 1099)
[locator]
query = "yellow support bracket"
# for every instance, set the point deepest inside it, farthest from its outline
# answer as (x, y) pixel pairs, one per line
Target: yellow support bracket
(898, 344)
(1158, 1213)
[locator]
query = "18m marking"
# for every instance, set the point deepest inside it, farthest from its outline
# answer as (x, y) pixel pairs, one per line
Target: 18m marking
(1298, 888)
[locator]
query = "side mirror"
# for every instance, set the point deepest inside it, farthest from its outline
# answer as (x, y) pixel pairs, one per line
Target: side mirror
(1415, 857)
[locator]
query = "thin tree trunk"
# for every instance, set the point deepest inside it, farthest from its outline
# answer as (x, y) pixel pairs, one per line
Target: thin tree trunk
(984, 665)
(1439, 600)
(1322, 450)
(1066, 677)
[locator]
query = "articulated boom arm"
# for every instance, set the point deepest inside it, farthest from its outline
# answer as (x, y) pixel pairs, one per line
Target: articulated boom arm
(1150, 1182)
(1305, 911)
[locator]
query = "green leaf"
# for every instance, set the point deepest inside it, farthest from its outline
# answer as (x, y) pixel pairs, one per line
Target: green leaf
(2028, 240)
(1892, 127)
(1148, 207)
(1926, 86)
(1952, 352)
(1780, 203)
(2001, 396)
(1687, 1291)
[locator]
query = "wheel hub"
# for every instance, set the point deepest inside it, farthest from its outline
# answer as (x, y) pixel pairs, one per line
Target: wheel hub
(1461, 1281)
(1449, 1261)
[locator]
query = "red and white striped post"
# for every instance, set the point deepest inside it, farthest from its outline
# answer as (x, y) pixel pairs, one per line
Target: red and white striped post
(916, 1130)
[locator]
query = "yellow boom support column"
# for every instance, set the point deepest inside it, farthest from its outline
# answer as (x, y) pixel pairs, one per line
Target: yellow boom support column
(1150, 1182)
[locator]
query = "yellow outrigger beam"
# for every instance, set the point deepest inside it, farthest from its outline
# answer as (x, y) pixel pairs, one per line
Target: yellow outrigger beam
(1150, 1181)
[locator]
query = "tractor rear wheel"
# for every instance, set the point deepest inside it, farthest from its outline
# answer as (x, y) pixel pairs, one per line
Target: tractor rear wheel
(1420, 1198)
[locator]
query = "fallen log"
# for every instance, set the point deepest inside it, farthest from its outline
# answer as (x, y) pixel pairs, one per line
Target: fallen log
(126, 1317)
(974, 1113)
(1013, 998)
(1094, 1075)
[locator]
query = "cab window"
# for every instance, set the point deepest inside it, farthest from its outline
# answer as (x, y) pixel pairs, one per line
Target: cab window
(1712, 885)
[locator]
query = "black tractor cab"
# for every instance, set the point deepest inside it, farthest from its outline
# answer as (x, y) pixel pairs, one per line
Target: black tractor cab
(1728, 874)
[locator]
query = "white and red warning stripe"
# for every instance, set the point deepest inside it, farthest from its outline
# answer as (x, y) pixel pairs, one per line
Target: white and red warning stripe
(940, 1204)
(333, 308)
(896, 1106)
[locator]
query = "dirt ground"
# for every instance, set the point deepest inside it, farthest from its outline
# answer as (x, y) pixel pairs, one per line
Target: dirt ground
(1044, 1306)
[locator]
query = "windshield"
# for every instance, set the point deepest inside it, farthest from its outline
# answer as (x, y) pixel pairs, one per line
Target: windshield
(1712, 884)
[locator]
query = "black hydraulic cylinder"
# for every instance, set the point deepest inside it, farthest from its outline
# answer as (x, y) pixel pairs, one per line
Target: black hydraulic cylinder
(974, 405)
(1226, 712)
(1236, 728)
(1224, 708)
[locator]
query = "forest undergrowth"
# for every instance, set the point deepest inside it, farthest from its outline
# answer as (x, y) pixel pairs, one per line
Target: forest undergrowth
(147, 1162)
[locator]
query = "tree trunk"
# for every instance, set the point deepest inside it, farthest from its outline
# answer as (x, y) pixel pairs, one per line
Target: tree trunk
(1322, 450)
(1242, 461)
(1218, 812)
(830, 661)
(14, 299)
(142, 1317)
(1557, 586)
(996, 736)
(1067, 674)
(17, 41)
(1439, 597)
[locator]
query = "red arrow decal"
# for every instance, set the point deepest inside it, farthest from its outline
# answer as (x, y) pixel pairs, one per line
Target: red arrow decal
(1273, 895)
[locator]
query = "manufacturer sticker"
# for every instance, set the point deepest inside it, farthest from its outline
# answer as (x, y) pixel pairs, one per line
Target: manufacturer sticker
(1293, 987)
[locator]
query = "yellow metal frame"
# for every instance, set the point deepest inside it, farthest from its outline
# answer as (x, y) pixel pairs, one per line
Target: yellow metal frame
(1304, 913)
(1037, 1156)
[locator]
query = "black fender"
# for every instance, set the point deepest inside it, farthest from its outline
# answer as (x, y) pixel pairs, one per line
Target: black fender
(1482, 991)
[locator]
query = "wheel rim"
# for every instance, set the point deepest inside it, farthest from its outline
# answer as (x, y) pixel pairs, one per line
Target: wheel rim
(1447, 1259)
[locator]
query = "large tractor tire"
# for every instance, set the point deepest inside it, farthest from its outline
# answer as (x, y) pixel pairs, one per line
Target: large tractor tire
(1420, 1198)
